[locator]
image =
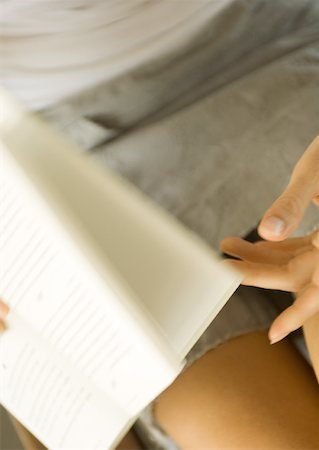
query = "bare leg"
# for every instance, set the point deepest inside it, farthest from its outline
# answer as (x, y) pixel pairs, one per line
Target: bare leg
(245, 394)
(129, 443)
(311, 330)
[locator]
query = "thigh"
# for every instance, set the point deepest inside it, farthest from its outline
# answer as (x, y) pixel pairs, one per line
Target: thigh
(129, 442)
(311, 331)
(244, 394)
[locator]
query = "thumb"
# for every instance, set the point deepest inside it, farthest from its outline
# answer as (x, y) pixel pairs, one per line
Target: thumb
(285, 214)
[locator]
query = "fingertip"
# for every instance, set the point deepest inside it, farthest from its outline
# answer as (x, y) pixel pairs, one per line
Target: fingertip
(276, 333)
(227, 244)
(227, 240)
(223, 245)
(315, 240)
(4, 309)
(272, 228)
(276, 339)
(2, 326)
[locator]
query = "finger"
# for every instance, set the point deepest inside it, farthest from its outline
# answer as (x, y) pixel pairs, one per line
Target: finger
(4, 310)
(265, 276)
(284, 216)
(2, 326)
(315, 239)
(315, 200)
(296, 315)
(294, 246)
(253, 253)
(315, 271)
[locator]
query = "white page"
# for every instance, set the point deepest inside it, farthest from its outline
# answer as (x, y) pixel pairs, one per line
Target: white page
(49, 397)
(171, 274)
(76, 318)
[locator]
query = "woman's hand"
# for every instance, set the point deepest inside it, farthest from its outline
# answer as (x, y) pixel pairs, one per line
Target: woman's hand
(4, 310)
(286, 264)
(290, 265)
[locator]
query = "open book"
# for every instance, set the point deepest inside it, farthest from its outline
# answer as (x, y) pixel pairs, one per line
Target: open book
(107, 292)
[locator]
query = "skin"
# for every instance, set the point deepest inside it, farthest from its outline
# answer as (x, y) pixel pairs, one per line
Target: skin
(129, 442)
(290, 265)
(4, 310)
(311, 332)
(244, 394)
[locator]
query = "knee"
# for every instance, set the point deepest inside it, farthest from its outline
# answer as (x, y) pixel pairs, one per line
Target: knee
(244, 393)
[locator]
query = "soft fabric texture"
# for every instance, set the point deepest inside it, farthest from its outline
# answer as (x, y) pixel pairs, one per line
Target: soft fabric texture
(51, 49)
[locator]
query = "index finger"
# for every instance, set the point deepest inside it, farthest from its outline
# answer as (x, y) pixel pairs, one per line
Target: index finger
(4, 309)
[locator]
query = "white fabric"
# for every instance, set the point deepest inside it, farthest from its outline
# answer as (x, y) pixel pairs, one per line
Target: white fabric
(51, 49)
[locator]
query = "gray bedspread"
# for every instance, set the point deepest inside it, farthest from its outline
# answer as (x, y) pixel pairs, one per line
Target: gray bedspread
(213, 129)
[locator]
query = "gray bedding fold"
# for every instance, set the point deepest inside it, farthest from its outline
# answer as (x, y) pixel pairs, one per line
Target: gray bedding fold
(219, 163)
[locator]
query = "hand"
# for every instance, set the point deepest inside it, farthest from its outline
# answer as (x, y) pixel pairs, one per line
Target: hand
(290, 265)
(4, 310)
(286, 264)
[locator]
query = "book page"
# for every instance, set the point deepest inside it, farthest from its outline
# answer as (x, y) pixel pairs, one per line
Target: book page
(122, 291)
(65, 319)
(62, 408)
(177, 283)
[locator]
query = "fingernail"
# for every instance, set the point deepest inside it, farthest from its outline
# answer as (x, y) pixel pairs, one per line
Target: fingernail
(277, 338)
(274, 224)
